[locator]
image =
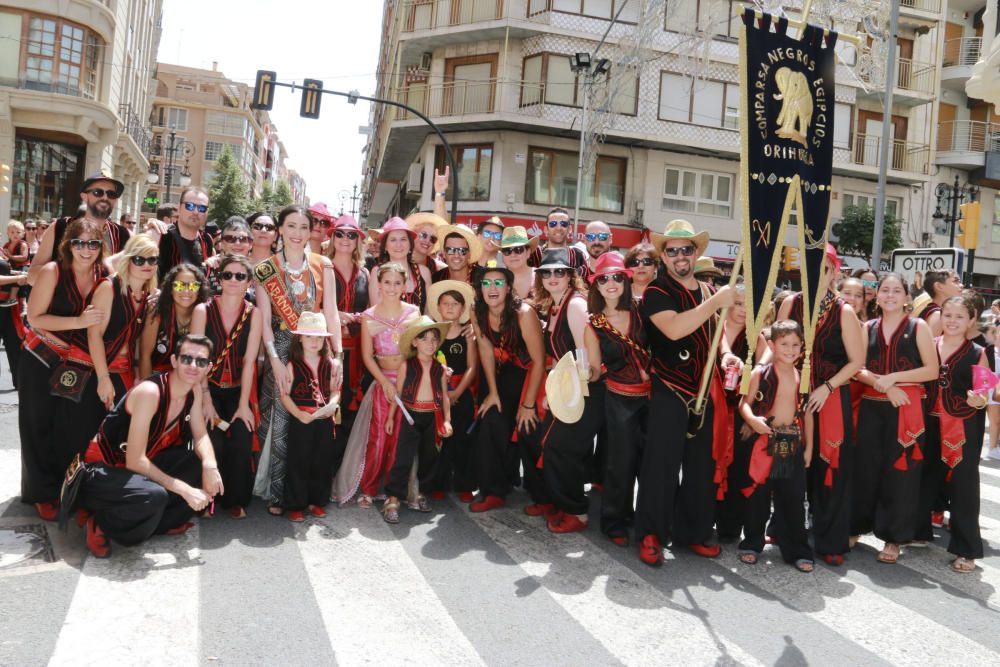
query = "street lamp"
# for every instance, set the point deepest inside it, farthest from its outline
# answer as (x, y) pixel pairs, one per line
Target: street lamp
(187, 149)
(954, 194)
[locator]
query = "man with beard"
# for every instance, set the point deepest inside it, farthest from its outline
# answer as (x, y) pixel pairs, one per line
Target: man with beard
(557, 226)
(597, 237)
(98, 195)
(187, 241)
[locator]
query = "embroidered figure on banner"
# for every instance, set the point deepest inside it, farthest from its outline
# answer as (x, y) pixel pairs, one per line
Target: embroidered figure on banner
(796, 105)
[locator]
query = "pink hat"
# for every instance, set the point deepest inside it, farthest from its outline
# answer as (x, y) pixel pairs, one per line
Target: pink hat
(831, 254)
(607, 264)
(320, 211)
(347, 221)
(391, 225)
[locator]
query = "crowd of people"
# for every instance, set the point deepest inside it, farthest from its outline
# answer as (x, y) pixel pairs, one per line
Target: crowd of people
(181, 370)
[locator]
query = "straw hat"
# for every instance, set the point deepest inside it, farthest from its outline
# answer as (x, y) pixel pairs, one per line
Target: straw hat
(564, 390)
(680, 229)
(607, 264)
(414, 220)
(440, 287)
(705, 266)
(517, 236)
(920, 302)
(494, 220)
(417, 327)
(475, 246)
(391, 225)
(311, 324)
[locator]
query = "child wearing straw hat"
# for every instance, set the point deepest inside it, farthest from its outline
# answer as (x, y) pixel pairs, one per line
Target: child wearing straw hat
(310, 439)
(423, 398)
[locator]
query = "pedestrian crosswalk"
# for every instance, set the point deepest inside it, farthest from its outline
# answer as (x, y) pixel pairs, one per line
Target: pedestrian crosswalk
(459, 588)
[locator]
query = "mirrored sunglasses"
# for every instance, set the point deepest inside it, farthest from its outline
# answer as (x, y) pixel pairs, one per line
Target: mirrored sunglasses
(181, 286)
(191, 206)
(596, 236)
(496, 282)
(456, 250)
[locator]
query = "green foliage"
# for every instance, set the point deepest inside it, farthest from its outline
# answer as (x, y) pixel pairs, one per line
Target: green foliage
(272, 200)
(282, 195)
(856, 228)
(228, 191)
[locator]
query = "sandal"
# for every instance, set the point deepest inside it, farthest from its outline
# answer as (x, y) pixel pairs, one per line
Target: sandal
(887, 556)
(275, 510)
(963, 565)
(747, 557)
(419, 505)
(804, 565)
(390, 511)
(364, 502)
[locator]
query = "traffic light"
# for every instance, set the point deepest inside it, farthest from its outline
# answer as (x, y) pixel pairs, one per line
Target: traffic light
(790, 258)
(968, 225)
(263, 90)
(311, 95)
(4, 177)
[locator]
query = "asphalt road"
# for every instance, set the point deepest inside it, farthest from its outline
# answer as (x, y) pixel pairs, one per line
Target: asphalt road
(462, 589)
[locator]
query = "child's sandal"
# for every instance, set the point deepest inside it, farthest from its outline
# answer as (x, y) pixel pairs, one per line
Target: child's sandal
(390, 511)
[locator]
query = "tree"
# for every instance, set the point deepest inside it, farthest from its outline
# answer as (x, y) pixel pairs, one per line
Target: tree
(228, 191)
(272, 200)
(856, 227)
(282, 195)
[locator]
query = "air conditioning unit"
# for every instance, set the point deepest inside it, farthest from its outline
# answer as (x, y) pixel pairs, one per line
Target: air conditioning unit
(425, 61)
(414, 177)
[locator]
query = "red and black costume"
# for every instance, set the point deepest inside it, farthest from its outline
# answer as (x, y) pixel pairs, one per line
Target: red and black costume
(127, 506)
(456, 465)
(234, 446)
(422, 439)
(731, 510)
(167, 334)
(175, 249)
(889, 454)
(929, 310)
(624, 355)
(121, 336)
(352, 297)
(310, 446)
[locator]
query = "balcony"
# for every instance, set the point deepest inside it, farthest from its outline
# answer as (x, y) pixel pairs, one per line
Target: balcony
(960, 55)
(919, 10)
(432, 24)
(910, 161)
(964, 143)
(130, 124)
(433, 14)
(71, 87)
(915, 84)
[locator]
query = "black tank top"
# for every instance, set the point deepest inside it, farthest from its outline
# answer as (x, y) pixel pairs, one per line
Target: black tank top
(899, 354)
(558, 337)
(68, 301)
(828, 354)
(124, 322)
(621, 358)
(227, 359)
(455, 352)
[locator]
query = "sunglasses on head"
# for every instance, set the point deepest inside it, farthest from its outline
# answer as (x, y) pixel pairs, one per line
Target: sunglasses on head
(558, 223)
(496, 236)
(229, 238)
(640, 261)
(617, 277)
(143, 261)
(191, 360)
(262, 227)
(346, 234)
(456, 250)
(686, 250)
(495, 282)
(191, 206)
(233, 275)
(558, 273)
(516, 250)
(596, 236)
(427, 236)
(870, 283)
(181, 286)
(92, 244)
(100, 192)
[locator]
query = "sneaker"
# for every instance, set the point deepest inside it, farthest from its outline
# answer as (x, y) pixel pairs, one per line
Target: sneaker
(97, 542)
(488, 503)
(937, 519)
(317, 511)
(650, 551)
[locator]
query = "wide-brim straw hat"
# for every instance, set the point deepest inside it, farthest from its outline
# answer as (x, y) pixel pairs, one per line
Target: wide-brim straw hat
(475, 245)
(311, 324)
(435, 291)
(706, 266)
(679, 229)
(920, 302)
(417, 327)
(564, 390)
(393, 224)
(414, 220)
(517, 236)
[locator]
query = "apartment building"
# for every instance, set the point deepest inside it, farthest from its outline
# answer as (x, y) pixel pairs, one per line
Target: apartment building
(76, 82)
(495, 76)
(197, 112)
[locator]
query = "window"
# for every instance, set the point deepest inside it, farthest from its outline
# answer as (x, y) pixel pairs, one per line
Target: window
(699, 101)
(552, 181)
(703, 192)
(60, 57)
(892, 204)
(213, 149)
(229, 124)
(842, 116)
(549, 76)
(475, 166)
(177, 119)
(602, 9)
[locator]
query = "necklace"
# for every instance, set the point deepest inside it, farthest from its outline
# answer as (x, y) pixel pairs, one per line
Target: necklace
(297, 286)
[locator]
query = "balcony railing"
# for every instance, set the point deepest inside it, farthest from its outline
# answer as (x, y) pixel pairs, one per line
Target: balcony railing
(430, 14)
(903, 155)
(933, 6)
(131, 125)
(962, 52)
(63, 87)
(969, 136)
(461, 98)
(917, 77)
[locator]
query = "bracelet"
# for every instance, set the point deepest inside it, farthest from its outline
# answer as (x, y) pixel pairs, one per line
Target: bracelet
(828, 385)
(439, 194)
(272, 352)
(527, 407)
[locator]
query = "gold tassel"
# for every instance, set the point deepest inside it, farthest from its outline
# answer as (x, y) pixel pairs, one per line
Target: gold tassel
(806, 374)
(745, 378)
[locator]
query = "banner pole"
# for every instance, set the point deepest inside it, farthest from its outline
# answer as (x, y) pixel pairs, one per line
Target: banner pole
(706, 375)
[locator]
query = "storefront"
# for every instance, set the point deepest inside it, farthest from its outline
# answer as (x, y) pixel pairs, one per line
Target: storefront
(47, 174)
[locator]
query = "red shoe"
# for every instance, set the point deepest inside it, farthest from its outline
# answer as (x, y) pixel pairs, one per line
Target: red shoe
(833, 559)
(296, 516)
(937, 519)
(650, 551)
(81, 517)
(437, 495)
(97, 543)
(181, 529)
(317, 511)
(705, 550)
(597, 486)
(553, 513)
(539, 509)
(466, 496)
(237, 512)
(567, 523)
(620, 540)
(488, 503)
(47, 511)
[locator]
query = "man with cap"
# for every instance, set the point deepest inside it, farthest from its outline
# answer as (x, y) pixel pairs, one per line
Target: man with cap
(461, 249)
(557, 226)
(187, 241)
(597, 237)
(98, 195)
(679, 314)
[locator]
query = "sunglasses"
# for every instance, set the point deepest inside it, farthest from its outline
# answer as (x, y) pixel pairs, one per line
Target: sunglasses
(495, 236)
(341, 234)
(516, 250)
(596, 236)
(455, 250)
(558, 273)
(870, 283)
(558, 223)
(80, 244)
(143, 261)
(228, 238)
(496, 282)
(30, 228)
(190, 360)
(233, 275)
(427, 236)
(617, 277)
(645, 261)
(98, 192)
(191, 206)
(262, 227)
(324, 223)
(181, 286)
(686, 250)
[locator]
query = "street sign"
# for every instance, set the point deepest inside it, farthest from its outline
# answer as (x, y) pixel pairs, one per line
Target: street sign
(909, 261)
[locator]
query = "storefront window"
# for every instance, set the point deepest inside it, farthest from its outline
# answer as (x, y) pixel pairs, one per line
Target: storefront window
(47, 178)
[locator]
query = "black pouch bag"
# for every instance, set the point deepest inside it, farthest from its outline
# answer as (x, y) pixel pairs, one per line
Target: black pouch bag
(783, 446)
(68, 380)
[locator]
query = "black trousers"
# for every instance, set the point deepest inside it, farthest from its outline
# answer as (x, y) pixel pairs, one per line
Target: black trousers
(233, 449)
(494, 432)
(962, 489)
(731, 510)
(885, 498)
(789, 497)
(683, 512)
(456, 464)
(417, 442)
(626, 417)
(568, 452)
(129, 507)
(347, 415)
(307, 467)
(598, 462)
(11, 341)
(831, 505)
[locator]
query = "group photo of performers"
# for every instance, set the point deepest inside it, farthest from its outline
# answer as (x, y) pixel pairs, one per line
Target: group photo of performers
(166, 376)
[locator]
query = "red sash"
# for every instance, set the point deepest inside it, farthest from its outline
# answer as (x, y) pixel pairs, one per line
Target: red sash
(760, 465)
(722, 441)
(640, 390)
(911, 421)
(428, 406)
(952, 437)
(831, 434)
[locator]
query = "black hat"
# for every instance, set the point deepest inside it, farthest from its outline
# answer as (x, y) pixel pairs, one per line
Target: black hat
(212, 227)
(103, 175)
(555, 258)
